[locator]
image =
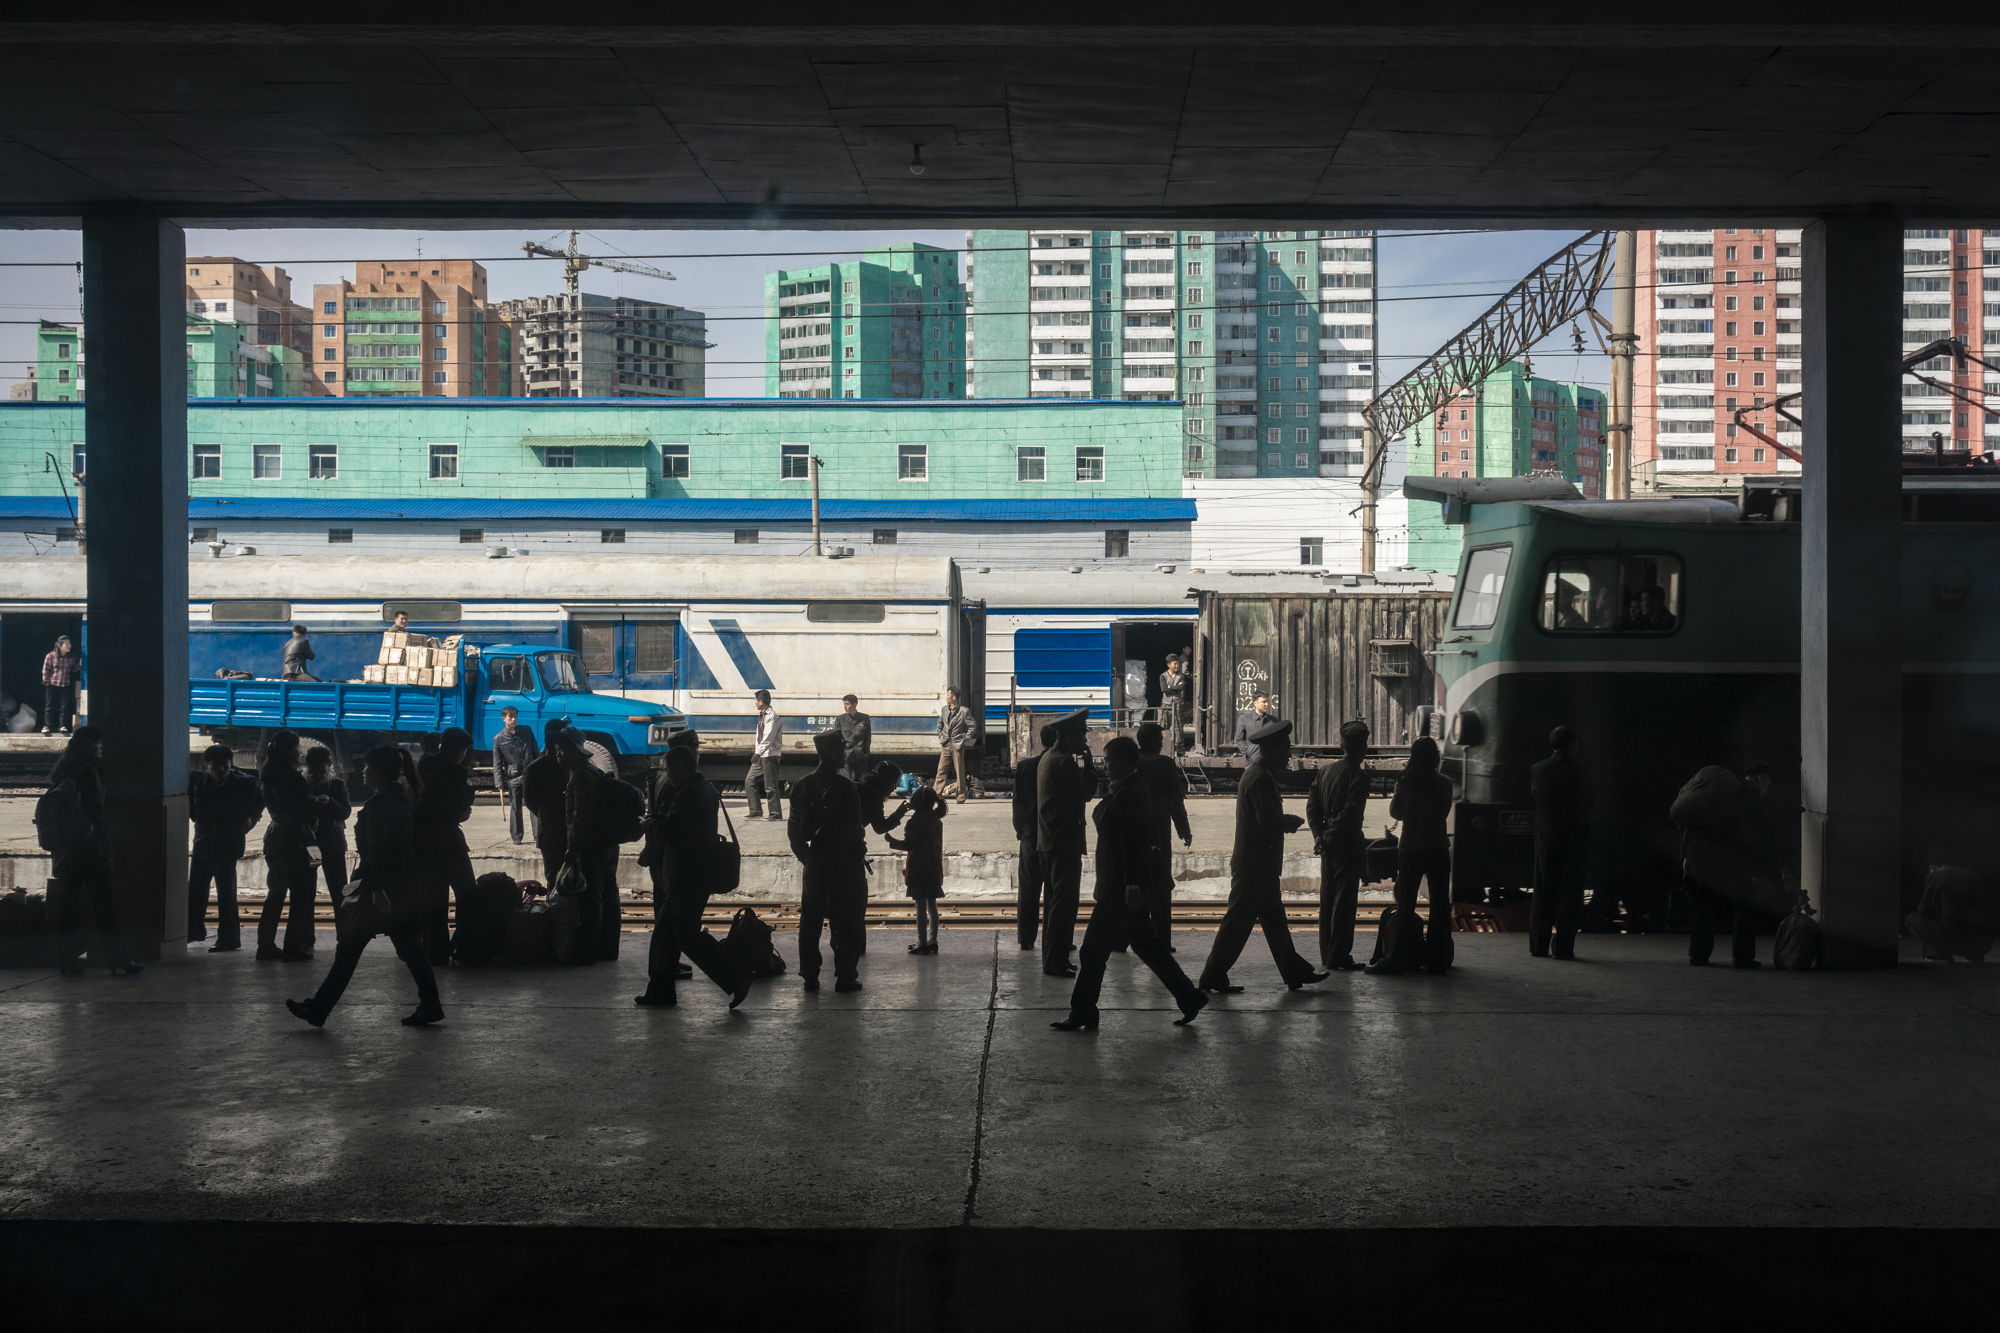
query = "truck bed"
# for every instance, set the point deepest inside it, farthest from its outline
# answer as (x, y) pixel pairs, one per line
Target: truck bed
(305, 705)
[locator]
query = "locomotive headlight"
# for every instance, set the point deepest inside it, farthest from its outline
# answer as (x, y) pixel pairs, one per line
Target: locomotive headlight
(1466, 728)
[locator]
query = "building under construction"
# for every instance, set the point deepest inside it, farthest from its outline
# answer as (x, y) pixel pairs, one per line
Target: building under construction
(581, 345)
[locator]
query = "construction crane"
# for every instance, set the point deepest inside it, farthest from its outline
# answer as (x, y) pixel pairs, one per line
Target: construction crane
(1562, 290)
(575, 262)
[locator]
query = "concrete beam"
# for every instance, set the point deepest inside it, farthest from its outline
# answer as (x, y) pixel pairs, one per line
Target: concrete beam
(135, 420)
(1850, 655)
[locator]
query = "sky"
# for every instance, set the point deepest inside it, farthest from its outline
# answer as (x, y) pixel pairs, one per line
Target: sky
(1431, 285)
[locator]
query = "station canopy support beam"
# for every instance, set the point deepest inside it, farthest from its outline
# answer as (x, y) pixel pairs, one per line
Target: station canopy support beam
(1850, 654)
(135, 424)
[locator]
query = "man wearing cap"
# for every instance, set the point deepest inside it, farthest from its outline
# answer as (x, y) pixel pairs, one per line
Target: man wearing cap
(1118, 913)
(1028, 866)
(1166, 786)
(1334, 810)
(825, 833)
(1062, 792)
(588, 845)
(1176, 690)
(1255, 866)
(1248, 723)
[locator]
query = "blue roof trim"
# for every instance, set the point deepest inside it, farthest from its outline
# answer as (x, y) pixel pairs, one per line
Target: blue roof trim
(648, 404)
(1109, 509)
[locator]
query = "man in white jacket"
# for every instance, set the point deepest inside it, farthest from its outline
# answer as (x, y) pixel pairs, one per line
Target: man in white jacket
(765, 752)
(956, 737)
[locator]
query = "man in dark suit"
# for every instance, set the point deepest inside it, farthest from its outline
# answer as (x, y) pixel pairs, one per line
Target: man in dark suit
(1118, 913)
(825, 833)
(1334, 811)
(223, 804)
(1028, 868)
(680, 850)
(1256, 864)
(1166, 786)
(1248, 724)
(857, 733)
(1561, 846)
(1063, 789)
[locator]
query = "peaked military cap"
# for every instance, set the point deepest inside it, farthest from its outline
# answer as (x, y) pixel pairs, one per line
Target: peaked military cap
(1270, 731)
(1076, 721)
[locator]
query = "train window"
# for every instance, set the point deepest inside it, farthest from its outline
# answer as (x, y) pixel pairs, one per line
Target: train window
(845, 613)
(1611, 594)
(506, 673)
(424, 611)
(598, 641)
(1479, 591)
(653, 647)
(250, 609)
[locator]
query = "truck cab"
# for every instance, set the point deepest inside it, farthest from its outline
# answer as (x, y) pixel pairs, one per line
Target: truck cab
(545, 683)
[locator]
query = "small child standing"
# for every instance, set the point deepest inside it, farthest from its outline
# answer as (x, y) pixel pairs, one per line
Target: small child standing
(923, 868)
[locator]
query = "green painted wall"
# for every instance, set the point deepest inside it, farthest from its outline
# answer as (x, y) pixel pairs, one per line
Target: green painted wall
(734, 449)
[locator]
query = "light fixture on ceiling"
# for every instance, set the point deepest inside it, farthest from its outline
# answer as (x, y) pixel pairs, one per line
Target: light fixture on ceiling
(916, 159)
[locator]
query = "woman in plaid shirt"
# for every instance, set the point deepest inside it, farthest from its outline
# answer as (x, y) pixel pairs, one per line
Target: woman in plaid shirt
(59, 673)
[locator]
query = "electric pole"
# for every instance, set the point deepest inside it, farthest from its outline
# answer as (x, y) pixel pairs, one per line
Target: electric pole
(815, 485)
(1617, 461)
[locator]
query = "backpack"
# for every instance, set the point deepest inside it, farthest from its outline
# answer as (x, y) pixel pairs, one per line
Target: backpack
(726, 871)
(484, 918)
(749, 943)
(60, 825)
(1399, 942)
(1796, 948)
(1708, 799)
(624, 811)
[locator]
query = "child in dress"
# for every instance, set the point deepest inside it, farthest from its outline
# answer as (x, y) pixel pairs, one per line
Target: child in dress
(923, 870)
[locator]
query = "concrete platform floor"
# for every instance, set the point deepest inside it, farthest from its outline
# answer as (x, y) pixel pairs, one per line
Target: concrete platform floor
(1624, 1090)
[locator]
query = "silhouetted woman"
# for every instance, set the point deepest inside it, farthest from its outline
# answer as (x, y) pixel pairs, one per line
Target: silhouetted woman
(385, 896)
(289, 840)
(443, 861)
(83, 869)
(1423, 802)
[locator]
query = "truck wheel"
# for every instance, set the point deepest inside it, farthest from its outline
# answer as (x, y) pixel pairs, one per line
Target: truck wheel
(603, 755)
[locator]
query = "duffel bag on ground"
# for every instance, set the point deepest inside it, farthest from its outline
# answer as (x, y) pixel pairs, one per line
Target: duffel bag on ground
(749, 943)
(529, 936)
(1399, 943)
(483, 920)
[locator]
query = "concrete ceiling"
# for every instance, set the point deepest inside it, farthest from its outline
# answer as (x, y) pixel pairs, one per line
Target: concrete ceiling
(215, 116)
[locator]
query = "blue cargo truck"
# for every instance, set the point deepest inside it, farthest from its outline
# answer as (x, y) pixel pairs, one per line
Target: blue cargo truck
(348, 717)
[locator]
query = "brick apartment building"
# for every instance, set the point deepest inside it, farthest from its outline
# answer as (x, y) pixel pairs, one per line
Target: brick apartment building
(412, 327)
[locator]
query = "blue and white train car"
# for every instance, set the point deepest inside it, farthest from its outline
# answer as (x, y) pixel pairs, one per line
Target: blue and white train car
(1057, 640)
(699, 636)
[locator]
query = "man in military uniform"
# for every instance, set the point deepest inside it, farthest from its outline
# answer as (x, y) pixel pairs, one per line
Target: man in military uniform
(1119, 912)
(513, 750)
(825, 833)
(1166, 785)
(1028, 866)
(543, 783)
(1255, 866)
(1334, 811)
(1176, 693)
(1562, 798)
(857, 734)
(681, 848)
(588, 844)
(1063, 789)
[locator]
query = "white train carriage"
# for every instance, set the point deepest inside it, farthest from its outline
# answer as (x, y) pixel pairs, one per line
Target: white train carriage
(697, 635)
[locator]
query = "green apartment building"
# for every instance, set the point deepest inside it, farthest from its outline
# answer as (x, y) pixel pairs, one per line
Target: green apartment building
(1512, 425)
(891, 325)
(224, 360)
(1265, 338)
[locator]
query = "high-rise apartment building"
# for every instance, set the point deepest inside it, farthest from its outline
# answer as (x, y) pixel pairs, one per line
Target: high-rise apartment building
(224, 289)
(890, 325)
(1267, 338)
(411, 327)
(587, 346)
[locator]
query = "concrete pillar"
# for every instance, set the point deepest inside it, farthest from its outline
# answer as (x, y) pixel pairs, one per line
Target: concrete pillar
(1850, 658)
(135, 421)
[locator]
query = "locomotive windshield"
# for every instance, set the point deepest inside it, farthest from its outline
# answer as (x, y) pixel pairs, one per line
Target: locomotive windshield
(1611, 594)
(562, 673)
(1485, 577)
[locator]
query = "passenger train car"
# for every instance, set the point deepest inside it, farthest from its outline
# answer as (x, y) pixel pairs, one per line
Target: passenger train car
(698, 636)
(1667, 633)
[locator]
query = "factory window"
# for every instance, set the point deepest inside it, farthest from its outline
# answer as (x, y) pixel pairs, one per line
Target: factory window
(559, 455)
(1090, 462)
(444, 462)
(340, 536)
(673, 460)
(611, 536)
(471, 536)
(267, 462)
(912, 462)
(1117, 543)
(746, 536)
(201, 535)
(1611, 594)
(322, 462)
(794, 462)
(207, 462)
(1312, 550)
(1031, 463)
(885, 537)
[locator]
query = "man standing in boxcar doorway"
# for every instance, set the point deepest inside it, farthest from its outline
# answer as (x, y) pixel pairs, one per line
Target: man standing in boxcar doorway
(1176, 692)
(1063, 791)
(1562, 800)
(1334, 810)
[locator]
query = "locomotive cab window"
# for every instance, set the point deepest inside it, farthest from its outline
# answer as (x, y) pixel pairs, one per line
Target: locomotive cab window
(1480, 588)
(1611, 594)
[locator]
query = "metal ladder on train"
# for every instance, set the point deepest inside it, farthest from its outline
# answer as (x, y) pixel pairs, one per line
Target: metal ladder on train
(1196, 775)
